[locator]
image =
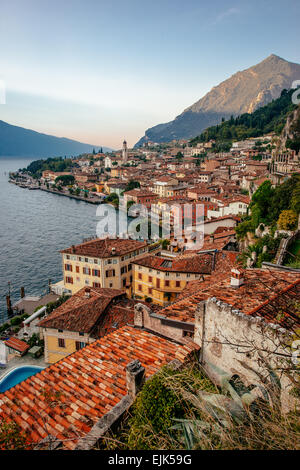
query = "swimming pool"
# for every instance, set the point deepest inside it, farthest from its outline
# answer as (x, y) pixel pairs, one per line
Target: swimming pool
(16, 376)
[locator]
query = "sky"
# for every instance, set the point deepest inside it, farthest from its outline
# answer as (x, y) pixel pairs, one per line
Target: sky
(100, 71)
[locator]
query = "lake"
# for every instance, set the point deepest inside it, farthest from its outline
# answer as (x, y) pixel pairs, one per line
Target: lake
(34, 226)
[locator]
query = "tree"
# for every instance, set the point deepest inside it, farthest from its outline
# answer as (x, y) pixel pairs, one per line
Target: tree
(287, 220)
(132, 185)
(65, 180)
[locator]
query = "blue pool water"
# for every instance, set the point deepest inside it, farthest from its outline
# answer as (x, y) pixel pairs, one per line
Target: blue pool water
(17, 375)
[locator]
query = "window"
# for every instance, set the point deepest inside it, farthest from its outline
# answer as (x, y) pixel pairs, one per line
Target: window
(67, 257)
(86, 271)
(77, 269)
(61, 343)
(68, 267)
(150, 290)
(69, 280)
(110, 273)
(124, 269)
(157, 282)
(177, 283)
(87, 282)
(187, 334)
(86, 260)
(96, 284)
(129, 267)
(167, 283)
(140, 276)
(96, 272)
(149, 278)
(140, 287)
(81, 333)
(79, 345)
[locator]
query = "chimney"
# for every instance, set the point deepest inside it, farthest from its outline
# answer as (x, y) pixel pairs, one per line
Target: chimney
(113, 251)
(73, 249)
(87, 292)
(135, 377)
(237, 278)
(212, 237)
(22, 292)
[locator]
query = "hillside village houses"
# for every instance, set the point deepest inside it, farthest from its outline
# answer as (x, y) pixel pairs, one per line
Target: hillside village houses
(155, 302)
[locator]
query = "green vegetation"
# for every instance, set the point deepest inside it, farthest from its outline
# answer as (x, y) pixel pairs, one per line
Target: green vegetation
(53, 305)
(183, 410)
(12, 437)
(13, 322)
(54, 164)
(293, 255)
(268, 203)
(65, 180)
(113, 198)
(132, 185)
(294, 144)
(269, 118)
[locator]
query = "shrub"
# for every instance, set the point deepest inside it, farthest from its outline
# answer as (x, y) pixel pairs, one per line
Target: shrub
(287, 220)
(153, 411)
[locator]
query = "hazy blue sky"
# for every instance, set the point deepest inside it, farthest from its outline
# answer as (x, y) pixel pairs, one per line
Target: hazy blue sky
(98, 71)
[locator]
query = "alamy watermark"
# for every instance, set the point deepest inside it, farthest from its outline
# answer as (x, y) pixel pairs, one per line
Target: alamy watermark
(296, 94)
(183, 223)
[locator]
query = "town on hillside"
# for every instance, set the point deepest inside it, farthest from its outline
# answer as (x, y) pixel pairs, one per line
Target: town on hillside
(210, 335)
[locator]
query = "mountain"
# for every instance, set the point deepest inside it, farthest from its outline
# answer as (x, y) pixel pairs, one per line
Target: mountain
(271, 117)
(243, 92)
(17, 141)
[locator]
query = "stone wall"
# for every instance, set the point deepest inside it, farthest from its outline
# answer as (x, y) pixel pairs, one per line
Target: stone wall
(239, 344)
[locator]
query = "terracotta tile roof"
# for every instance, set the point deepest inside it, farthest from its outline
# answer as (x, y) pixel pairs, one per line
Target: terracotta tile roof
(259, 287)
(140, 193)
(67, 398)
(102, 247)
(17, 344)
(184, 264)
(116, 316)
(80, 313)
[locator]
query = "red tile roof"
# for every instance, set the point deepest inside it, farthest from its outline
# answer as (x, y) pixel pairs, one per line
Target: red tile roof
(102, 247)
(17, 344)
(258, 289)
(80, 313)
(67, 398)
(189, 264)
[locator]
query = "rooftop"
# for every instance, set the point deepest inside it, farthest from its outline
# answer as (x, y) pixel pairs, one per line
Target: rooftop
(201, 264)
(82, 311)
(17, 344)
(67, 398)
(260, 289)
(105, 247)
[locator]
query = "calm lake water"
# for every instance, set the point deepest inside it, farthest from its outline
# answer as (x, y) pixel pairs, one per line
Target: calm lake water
(34, 226)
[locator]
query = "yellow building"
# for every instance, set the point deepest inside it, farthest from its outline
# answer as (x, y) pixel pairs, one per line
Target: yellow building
(163, 186)
(83, 318)
(162, 279)
(101, 263)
